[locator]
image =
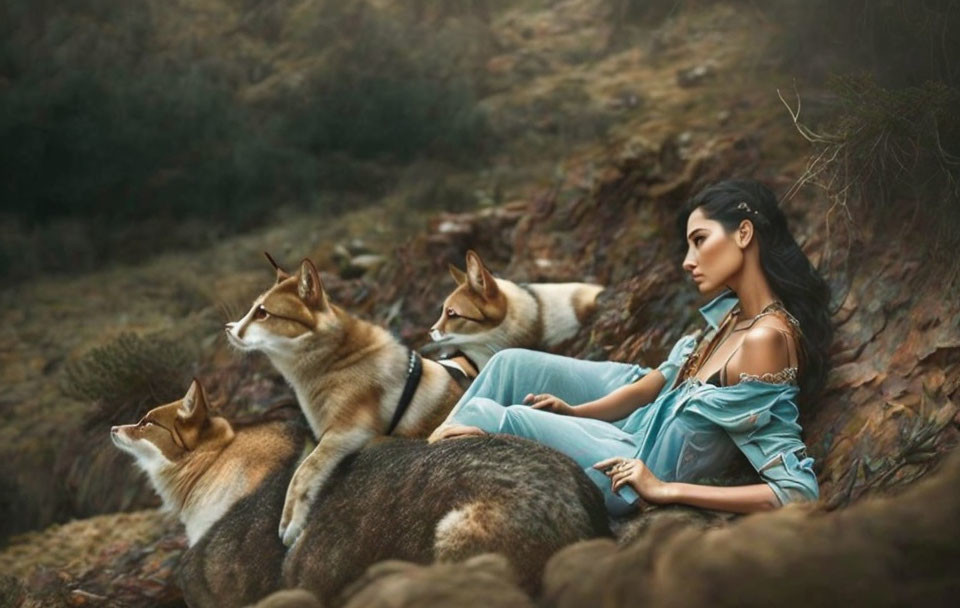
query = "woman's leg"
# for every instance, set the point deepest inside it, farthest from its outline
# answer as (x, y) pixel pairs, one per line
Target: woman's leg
(587, 441)
(493, 404)
(514, 373)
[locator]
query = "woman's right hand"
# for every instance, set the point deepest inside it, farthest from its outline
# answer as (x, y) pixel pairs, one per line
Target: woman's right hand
(550, 403)
(451, 431)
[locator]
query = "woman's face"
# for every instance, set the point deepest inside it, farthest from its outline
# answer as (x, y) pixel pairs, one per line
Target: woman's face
(713, 256)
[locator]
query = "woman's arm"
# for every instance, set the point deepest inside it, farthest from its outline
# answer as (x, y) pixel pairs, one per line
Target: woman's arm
(737, 499)
(612, 406)
(623, 401)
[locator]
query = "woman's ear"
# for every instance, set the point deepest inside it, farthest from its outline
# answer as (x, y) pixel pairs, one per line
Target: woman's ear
(744, 233)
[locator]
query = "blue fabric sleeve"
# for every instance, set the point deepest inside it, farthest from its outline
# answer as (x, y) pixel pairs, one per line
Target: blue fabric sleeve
(761, 419)
(791, 479)
(681, 349)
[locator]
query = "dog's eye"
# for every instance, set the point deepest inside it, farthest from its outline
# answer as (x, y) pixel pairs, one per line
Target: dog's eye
(451, 313)
(261, 313)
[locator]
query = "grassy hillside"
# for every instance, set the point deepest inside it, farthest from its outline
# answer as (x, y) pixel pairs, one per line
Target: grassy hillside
(153, 151)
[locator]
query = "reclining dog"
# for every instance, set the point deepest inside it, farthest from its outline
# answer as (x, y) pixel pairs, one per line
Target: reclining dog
(485, 314)
(393, 499)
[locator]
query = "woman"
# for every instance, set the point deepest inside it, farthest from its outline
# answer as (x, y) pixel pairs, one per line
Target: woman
(646, 433)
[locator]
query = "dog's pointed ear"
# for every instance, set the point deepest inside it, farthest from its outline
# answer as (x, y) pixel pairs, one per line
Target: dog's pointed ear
(193, 422)
(281, 273)
(458, 275)
(309, 288)
(480, 279)
(193, 406)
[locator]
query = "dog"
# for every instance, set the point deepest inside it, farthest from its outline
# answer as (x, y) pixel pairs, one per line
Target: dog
(224, 482)
(393, 499)
(485, 314)
(354, 381)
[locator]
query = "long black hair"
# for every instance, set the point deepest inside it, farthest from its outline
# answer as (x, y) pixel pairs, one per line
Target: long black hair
(801, 288)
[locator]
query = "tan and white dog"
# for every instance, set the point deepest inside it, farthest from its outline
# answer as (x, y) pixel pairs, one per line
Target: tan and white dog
(225, 482)
(351, 378)
(166, 442)
(485, 314)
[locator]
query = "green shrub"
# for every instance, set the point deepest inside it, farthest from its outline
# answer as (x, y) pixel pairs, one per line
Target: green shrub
(387, 117)
(125, 146)
(391, 88)
(104, 119)
(128, 376)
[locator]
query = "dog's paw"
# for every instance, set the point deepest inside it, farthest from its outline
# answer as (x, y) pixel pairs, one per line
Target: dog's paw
(293, 519)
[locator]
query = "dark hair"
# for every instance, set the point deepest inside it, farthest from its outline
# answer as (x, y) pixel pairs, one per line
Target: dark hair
(801, 288)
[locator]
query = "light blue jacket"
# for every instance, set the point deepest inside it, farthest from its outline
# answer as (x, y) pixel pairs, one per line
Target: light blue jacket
(688, 432)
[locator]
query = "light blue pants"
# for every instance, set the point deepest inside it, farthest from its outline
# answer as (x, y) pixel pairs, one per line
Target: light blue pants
(494, 403)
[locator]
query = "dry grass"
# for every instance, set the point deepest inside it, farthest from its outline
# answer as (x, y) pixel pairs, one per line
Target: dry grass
(888, 160)
(80, 545)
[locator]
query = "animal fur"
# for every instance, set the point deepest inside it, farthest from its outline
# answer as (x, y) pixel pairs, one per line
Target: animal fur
(393, 499)
(225, 484)
(446, 502)
(485, 314)
(348, 376)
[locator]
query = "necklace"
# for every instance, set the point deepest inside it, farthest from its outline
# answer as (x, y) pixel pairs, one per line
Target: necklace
(696, 359)
(776, 304)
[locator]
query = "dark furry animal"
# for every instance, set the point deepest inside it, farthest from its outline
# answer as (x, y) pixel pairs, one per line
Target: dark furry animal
(399, 499)
(447, 501)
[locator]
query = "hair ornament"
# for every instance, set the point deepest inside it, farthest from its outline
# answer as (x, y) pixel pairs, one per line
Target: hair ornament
(746, 207)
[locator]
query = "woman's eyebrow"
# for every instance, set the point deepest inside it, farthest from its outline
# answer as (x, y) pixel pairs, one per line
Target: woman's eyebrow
(694, 231)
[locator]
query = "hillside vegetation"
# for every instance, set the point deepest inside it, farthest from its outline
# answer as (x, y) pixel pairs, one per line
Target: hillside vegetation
(150, 152)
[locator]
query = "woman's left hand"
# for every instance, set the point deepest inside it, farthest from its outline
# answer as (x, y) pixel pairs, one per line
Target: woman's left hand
(633, 472)
(549, 403)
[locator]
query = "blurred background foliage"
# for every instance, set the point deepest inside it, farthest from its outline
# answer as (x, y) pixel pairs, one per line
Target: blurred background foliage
(131, 128)
(117, 125)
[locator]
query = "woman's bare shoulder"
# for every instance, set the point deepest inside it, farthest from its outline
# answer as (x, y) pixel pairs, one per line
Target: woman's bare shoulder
(768, 346)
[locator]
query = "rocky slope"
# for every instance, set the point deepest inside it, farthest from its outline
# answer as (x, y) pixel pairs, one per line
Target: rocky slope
(603, 142)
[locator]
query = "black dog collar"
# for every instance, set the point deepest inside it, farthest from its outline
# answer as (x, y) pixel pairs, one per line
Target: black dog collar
(414, 371)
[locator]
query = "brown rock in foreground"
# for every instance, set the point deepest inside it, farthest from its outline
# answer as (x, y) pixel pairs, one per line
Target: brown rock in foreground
(290, 598)
(482, 581)
(891, 551)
